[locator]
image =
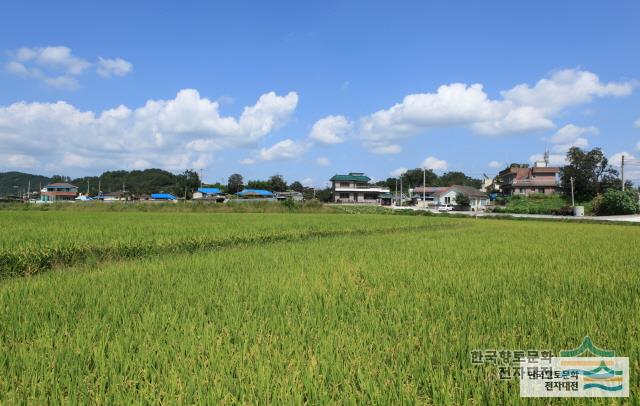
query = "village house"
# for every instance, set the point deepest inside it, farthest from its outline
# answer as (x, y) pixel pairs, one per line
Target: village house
(213, 194)
(163, 197)
(355, 188)
(112, 196)
(446, 195)
(525, 180)
(255, 194)
(58, 192)
(289, 194)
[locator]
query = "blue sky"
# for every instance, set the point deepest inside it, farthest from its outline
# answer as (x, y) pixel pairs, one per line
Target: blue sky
(475, 85)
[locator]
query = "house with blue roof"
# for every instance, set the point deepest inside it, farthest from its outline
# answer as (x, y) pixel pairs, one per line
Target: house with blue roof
(255, 194)
(210, 194)
(163, 197)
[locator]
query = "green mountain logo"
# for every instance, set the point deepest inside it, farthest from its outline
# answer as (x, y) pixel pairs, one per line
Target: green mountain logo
(587, 346)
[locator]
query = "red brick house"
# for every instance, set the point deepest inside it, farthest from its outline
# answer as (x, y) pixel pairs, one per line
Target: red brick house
(525, 180)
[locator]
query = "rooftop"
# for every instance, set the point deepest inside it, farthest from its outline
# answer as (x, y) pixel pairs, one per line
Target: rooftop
(163, 196)
(209, 190)
(352, 176)
(60, 186)
(254, 192)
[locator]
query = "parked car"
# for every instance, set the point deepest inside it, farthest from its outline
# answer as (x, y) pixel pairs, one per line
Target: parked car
(445, 207)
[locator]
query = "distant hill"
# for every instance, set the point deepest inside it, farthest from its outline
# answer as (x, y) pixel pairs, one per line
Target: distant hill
(8, 181)
(138, 182)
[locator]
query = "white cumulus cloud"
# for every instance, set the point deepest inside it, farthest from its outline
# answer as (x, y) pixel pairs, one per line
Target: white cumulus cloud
(631, 172)
(521, 109)
(174, 134)
(397, 172)
(113, 67)
(434, 164)
(495, 165)
(285, 149)
(331, 130)
(571, 136)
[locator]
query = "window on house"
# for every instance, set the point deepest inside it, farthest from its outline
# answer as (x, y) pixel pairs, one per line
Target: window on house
(522, 190)
(541, 190)
(344, 195)
(344, 184)
(447, 200)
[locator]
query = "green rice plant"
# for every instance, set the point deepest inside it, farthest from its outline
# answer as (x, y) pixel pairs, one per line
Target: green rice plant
(386, 311)
(38, 241)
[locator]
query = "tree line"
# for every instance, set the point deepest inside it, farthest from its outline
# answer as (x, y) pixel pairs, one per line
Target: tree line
(414, 177)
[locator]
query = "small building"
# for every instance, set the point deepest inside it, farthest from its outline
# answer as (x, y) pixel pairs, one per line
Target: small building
(112, 196)
(289, 194)
(387, 199)
(255, 194)
(355, 188)
(446, 195)
(213, 194)
(523, 180)
(59, 192)
(163, 197)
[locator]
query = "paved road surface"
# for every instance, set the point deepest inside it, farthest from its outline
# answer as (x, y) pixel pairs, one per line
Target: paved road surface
(632, 218)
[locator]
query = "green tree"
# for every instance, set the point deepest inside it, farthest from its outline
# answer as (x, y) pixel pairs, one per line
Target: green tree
(258, 184)
(324, 195)
(297, 186)
(60, 179)
(414, 177)
(186, 183)
(615, 202)
(277, 183)
(235, 183)
(458, 178)
(462, 200)
(590, 171)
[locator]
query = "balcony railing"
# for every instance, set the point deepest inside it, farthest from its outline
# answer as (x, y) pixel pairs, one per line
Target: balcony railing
(351, 187)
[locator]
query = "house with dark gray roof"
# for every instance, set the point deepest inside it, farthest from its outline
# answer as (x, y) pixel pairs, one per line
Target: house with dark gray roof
(446, 195)
(355, 188)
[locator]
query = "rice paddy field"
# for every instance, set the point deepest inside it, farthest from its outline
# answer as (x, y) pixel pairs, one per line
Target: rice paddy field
(286, 308)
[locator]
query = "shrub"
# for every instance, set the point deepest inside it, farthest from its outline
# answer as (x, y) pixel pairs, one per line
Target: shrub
(463, 201)
(614, 202)
(532, 204)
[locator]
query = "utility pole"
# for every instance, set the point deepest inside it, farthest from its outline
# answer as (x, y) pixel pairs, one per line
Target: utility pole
(396, 202)
(573, 203)
(87, 187)
(424, 186)
(99, 188)
(201, 180)
(29, 190)
(622, 172)
(401, 190)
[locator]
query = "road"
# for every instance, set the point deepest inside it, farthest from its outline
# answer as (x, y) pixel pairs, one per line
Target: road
(632, 218)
